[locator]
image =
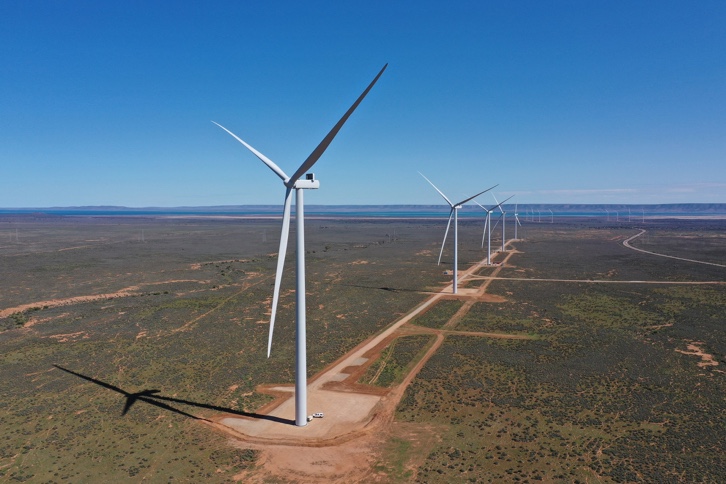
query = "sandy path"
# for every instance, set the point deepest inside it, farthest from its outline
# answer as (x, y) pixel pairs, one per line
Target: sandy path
(594, 281)
(67, 301)
(52, 303)
(626, 243)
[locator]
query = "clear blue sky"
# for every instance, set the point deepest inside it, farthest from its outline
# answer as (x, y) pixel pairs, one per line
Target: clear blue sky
(110, 103)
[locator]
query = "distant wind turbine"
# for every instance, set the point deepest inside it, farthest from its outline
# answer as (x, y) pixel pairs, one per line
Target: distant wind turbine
(298, 184)
(552, 220)
(503, 217)
(453, 213)
(488, 234)
(516, 221)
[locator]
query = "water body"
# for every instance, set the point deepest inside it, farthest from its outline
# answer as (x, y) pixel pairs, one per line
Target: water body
(372, 212)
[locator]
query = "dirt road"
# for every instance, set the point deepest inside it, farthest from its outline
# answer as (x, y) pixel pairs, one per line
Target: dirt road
(626, 243)
(355, 421)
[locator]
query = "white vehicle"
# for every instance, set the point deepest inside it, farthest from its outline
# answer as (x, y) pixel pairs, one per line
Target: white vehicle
(318, 415)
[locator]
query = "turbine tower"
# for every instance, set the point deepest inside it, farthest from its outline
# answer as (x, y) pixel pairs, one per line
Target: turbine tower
(453, 213)
(503, 216)
(298, 184)
(488, 223)
(516, 220)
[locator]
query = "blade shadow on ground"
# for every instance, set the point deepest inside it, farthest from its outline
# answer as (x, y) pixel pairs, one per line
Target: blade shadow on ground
(151, 397)
(382, 288)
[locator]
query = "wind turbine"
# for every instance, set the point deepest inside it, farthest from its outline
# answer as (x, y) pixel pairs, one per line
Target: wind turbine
(516, 220)
(552, 220)
(298, 184)
(488, 223)
(503, 216)
(453, 213)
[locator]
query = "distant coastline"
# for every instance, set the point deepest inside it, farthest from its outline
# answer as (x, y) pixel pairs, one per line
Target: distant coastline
(614, 212)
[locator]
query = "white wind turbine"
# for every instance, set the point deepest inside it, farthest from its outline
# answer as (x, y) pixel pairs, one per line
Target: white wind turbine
(295, 182)
(488, 224)
(503, 216)
(453, 213)
(516, 220)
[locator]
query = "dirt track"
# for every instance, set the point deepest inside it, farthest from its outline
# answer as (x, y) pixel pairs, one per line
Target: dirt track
(345, 444)
(626, 243)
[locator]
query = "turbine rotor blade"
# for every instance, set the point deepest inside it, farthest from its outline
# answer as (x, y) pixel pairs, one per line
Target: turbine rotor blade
(318, 152)
(482, 206)
(440, 192)
(280, 263)
(486, 221)
(271, 164)
(471, 198)
(497, 222)
(451, 214)
(500, 204)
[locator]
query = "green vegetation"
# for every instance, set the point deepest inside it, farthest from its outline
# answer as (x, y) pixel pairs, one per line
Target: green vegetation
(18, 319)
(438, 314)
(510, 318)
(398, 453)
(396, 360)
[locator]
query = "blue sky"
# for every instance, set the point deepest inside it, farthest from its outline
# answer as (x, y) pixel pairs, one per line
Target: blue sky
(110, 103)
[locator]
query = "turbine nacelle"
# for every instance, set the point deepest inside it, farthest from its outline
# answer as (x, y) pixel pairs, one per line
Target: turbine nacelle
(309, 182)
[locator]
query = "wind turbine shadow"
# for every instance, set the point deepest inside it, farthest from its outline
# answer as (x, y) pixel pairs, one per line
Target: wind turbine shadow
(151, 397)
(383, 288)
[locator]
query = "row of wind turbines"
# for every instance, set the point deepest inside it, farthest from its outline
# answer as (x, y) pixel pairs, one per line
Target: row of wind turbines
(297, 184)
(454, 213)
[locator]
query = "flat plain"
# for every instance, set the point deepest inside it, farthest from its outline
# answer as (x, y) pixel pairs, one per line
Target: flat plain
(123, 338)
